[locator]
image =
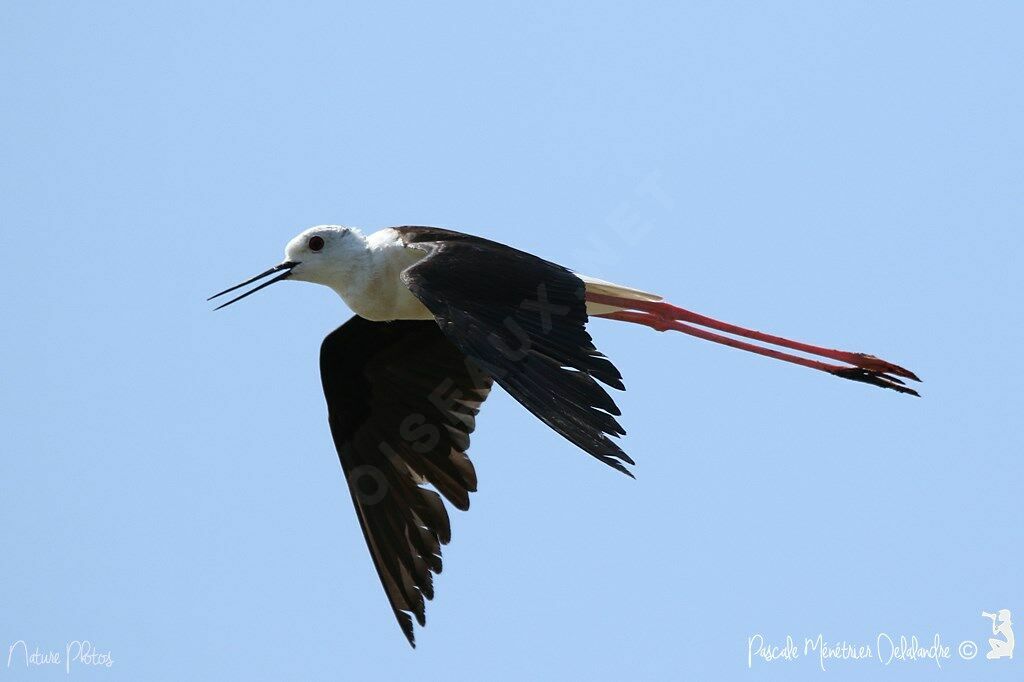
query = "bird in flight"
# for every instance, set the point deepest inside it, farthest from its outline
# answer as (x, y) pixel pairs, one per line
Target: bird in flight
(440, 316)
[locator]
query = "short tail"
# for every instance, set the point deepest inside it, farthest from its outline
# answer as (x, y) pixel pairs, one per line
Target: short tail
(599, 287)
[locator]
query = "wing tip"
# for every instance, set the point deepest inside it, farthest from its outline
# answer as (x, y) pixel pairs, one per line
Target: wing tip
(405, 622)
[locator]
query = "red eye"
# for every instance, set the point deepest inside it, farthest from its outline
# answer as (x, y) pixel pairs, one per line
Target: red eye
(316, 243)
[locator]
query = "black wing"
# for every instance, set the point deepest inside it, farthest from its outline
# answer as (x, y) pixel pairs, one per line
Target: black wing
(402, 400)
(523, 320)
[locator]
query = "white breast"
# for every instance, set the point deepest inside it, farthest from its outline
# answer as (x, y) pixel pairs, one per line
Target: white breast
(375, 290)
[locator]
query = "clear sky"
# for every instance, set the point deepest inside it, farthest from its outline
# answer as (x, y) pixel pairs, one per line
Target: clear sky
(845, 173)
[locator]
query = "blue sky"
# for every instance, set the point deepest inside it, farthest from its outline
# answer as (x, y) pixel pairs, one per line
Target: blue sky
(849, 174)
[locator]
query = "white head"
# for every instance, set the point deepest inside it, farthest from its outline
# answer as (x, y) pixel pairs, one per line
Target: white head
(323, 255)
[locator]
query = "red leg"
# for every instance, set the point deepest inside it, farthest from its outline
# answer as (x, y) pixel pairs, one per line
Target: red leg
(668, 311)
(863, 374)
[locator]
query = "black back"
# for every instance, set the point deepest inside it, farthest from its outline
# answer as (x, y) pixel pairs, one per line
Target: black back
(523, 320)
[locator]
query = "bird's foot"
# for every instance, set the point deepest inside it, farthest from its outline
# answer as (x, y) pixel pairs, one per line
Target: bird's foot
(875, 378)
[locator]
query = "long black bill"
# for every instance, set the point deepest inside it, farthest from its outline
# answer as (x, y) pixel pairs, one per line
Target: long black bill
(286, 266)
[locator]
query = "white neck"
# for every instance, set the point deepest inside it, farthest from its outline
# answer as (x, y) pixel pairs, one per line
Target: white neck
(368, 278)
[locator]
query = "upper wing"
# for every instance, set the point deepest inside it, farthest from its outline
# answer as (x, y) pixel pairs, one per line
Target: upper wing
(523, 320)
(401, 400)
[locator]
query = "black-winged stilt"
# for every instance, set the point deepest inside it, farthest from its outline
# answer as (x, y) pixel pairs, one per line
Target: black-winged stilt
(441, 315)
